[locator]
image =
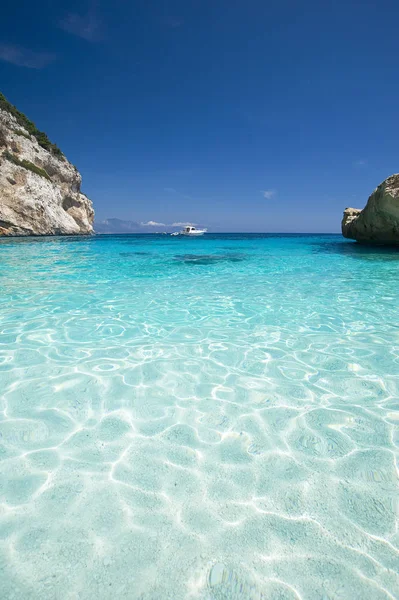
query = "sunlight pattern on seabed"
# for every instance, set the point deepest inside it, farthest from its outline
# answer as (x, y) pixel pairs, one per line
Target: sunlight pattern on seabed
(209, 418)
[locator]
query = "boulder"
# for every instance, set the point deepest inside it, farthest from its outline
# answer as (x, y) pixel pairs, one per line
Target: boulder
(378, 222)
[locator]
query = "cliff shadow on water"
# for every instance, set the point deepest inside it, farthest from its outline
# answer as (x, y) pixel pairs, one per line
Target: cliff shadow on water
(357, 250)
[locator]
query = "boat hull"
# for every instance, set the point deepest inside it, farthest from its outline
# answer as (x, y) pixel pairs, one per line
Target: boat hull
(196, 234)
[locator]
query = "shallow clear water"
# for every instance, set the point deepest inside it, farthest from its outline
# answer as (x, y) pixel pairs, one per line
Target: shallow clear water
(210, 418)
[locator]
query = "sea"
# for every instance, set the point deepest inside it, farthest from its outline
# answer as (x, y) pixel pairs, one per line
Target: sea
(210, 418)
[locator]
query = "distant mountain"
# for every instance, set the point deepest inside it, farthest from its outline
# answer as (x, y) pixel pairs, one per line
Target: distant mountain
(118, 226)
(121, 226)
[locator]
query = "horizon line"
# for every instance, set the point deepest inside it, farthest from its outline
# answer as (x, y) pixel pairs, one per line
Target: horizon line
(226, 233)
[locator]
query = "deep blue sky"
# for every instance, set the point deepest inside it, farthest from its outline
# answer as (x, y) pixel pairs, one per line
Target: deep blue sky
(189, 110)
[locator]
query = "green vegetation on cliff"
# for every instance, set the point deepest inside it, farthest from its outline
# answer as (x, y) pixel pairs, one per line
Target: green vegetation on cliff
(26, 164)
(20, 132)
(27, 124)
(3, 138)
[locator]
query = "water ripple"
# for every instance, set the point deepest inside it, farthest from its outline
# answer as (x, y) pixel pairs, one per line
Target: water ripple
(223, 432)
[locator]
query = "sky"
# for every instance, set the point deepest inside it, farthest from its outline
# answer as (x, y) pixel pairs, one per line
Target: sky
(236, 115)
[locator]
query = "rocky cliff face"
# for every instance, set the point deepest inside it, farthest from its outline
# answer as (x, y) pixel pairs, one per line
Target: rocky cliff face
(378, 222)
(39, 189)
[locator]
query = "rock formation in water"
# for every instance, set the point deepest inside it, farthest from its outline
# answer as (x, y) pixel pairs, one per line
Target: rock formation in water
(378, 222)
(39, 189)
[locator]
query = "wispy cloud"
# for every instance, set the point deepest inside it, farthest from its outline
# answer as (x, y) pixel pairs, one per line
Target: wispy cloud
(173, 22)
(23, 57)
(360, 163)
(86, 26)
(153, 224)
(269, 194)
(157, 224)
(170, 190)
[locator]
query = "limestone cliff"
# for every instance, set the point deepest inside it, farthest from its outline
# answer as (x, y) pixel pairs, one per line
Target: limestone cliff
(378, 222)
(39, 189)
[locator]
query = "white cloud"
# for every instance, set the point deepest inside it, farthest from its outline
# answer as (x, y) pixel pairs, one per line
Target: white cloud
(171, 190)
(269, 194)
(84, 26)
(23, 57)
(360, 163)
(152, 224)
(157, 224)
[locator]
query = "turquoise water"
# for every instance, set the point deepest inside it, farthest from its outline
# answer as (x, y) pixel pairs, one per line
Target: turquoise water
(210, 418)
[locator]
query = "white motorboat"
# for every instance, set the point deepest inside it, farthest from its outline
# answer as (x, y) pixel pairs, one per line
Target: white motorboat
(192, 231)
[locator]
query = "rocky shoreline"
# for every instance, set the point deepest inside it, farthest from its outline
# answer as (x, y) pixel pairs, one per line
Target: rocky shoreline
(40, 190)
(378, 222)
